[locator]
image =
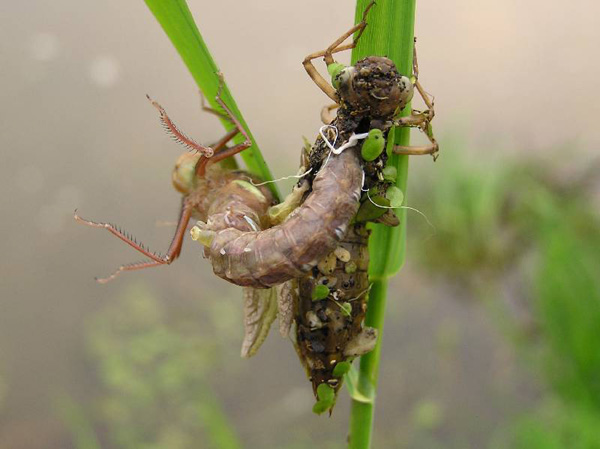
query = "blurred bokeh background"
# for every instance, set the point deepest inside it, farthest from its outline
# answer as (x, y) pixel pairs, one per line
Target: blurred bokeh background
(493, 326)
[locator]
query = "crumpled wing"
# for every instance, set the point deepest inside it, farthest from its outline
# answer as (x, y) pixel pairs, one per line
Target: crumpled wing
(287, 295)
(260, 310)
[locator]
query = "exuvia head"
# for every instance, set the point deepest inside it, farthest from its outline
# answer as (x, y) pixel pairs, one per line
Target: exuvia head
(372, 86)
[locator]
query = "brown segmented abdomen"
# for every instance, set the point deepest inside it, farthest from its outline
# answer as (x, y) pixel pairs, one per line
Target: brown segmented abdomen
(290, 250)
(330, 331)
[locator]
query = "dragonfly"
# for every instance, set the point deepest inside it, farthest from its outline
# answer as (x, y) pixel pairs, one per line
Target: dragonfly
(304, 260)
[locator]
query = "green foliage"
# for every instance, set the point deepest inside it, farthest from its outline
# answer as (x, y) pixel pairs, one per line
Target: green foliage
(78, 422)
(373, 145)
(341, 368)
(320, 292)
(488, 221)
(346, 308)
(372, 209)
(467, 205)
(554, 426)
(154, 376)
(176, 20)
(395, 196)
(325, 399)
(567, 304)
(390, 173)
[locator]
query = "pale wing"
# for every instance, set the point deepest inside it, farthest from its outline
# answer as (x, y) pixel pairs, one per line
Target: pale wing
(260, 310)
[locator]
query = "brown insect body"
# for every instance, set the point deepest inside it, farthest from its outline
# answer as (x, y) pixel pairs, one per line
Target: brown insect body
(314, 242)
(317, 244)
(370, 92)
(330, 330)
(290, 250)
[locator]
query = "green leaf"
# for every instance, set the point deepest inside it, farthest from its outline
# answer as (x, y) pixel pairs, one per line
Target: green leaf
(321, 407)
(325, 393)
(326, 399)
(320, 292)
(176, 20)
(346, 308)
(351, 380)
(369, 211)
(341, 368)
(390, 173)
(390, 33)
(395, 195)
(373, 145)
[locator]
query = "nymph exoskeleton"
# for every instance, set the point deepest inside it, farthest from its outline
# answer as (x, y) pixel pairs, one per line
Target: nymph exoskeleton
(320, 250)
(312, 246)
(332, 297)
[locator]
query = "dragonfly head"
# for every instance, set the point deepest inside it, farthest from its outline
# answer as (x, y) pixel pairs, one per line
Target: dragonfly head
(372, 86)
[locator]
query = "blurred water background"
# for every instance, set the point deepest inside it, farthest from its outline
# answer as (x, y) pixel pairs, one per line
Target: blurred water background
(493, 326)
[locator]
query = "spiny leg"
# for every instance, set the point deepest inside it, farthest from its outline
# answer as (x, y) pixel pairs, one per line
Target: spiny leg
(335, 47)
(177, 135)
(220, 154)
(156, 259)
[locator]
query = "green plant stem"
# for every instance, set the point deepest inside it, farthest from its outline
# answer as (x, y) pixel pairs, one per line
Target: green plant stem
(361, 417)
(390, 32)
(176, 20)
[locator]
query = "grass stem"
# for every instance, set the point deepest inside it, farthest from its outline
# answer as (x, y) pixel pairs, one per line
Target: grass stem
(390, 32)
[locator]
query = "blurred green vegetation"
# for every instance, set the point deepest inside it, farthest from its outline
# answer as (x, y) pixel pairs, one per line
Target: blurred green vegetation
(537, 227)
(153, 367)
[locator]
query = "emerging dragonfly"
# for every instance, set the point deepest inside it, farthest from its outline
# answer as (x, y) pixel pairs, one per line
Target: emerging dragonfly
(305, 259)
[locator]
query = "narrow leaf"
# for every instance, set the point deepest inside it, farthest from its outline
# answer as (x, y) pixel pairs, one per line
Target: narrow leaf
(176, 20)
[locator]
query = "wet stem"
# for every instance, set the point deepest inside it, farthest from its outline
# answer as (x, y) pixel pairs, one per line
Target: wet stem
(390, 32)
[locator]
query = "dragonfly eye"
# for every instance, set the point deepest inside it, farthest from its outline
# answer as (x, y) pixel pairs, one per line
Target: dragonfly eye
(344, 77)
(184, 173)
(406, 91)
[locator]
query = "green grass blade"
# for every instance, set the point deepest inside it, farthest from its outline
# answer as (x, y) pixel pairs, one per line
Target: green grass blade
(390, 33)
(176, 20)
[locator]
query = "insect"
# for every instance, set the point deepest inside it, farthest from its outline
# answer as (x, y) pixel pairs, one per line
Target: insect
(305, 259)
(228, 197)
(320, 251)
(332, 297)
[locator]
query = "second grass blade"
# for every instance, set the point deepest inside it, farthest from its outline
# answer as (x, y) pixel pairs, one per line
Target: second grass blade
(176, 20)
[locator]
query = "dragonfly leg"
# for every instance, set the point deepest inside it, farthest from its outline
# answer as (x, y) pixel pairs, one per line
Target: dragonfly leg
(155, 258)
(221, 153)
(418, 119)
(210, 110)
(335, 47)
(421, 120)
(177, 135)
